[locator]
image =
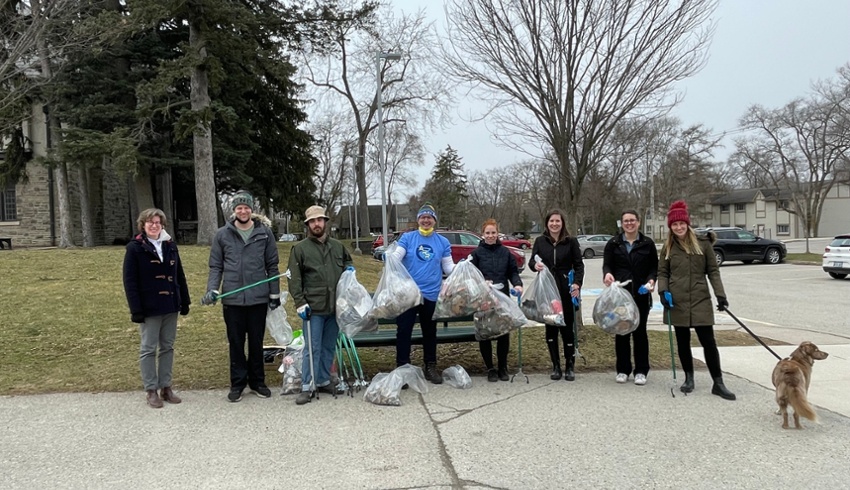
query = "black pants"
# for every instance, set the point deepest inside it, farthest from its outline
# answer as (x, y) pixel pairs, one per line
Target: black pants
(503, 344)
(622, 345)
(245, 321)
(552, 332)
(709, 346)
(405, 323)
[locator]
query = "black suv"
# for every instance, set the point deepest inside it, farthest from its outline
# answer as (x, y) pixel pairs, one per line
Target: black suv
(738, 244)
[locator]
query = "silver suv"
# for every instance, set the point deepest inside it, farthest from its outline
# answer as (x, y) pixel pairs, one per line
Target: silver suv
(734, 243)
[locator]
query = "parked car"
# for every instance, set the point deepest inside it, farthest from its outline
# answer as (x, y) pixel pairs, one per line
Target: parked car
(463, 243)
(512, 241)
(593, 245)
(287, 237)
(734, 243)
(836, 257)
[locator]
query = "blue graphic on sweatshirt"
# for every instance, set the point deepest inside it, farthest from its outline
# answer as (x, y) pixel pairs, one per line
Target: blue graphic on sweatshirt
(425, 252)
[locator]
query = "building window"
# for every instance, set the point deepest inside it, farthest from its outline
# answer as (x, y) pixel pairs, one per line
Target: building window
(724, 208)
(740, 207)
(782, 230)
(784, 204)
(8, 206)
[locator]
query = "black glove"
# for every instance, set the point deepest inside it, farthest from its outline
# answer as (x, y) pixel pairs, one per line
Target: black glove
(137, 317)
(184, 310)
(663, 297)
(722, 304)
(274, 303)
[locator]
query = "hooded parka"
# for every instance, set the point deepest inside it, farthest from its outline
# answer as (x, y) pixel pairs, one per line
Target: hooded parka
(684, 275)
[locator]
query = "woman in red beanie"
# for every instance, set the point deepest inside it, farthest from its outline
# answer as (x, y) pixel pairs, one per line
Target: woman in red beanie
(686, 260)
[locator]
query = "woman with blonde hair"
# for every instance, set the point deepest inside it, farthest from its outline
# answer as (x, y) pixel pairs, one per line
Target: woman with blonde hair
(686, 260)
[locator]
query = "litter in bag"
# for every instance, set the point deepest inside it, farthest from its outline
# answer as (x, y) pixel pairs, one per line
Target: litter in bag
(457, 377)
(291, 367)
(502, 318)
(353, 304)
(615, 310)
(541, 301)
(385, 388)
(465, 292)
(396, 291)
(276, 322)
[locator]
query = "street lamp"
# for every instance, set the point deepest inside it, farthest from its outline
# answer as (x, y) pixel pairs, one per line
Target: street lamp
(382, 56)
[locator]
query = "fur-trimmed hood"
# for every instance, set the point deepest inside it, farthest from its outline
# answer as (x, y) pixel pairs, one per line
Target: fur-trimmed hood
(709, 235)
(258, 218)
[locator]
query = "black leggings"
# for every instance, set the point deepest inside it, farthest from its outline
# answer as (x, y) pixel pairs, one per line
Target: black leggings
(552, 332)
(709, 346)
(503, 344)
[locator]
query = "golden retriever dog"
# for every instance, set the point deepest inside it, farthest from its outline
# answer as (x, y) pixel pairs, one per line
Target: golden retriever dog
(791, 377)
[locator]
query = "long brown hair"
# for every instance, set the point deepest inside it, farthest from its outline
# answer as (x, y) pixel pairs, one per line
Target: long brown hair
(689, 243)
(564, 232)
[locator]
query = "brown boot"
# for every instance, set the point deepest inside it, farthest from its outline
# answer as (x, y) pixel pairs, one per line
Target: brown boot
(167, 394)
(153, 399)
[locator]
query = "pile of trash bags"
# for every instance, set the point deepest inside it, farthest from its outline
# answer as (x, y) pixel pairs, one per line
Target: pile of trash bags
(385, 388)
(615, 310)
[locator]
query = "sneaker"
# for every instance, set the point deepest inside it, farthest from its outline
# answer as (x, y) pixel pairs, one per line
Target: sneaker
(492, 375)
(503, 374)
(235, 395)
(640, 379)
(622, 377)
(262, 391)
(304, 398)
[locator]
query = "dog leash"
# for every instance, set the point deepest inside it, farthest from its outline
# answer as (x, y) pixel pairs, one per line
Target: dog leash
(751, 333)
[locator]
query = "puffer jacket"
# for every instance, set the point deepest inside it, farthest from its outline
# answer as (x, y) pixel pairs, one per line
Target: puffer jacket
(640, 265)
(154, 287)
(496, 264)
(560, 257)
(315, 268)
(685, 276)
(235, 263)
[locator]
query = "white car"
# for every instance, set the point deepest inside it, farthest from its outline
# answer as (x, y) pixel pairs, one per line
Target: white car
(836, 257)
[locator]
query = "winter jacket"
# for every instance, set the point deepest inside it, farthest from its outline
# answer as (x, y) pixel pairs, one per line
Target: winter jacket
(640, 265)
(235, 263)
(560, 258)
(685, 277)
(154, 287)
(496, 264)
(315, 268)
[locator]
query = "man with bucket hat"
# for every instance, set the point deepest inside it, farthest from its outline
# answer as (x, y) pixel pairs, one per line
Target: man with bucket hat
(244, 252)
(315, 265)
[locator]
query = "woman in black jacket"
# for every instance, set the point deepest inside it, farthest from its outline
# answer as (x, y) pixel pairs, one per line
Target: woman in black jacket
(498, 266)
(560, 253)
(632, 256)
(156, 291)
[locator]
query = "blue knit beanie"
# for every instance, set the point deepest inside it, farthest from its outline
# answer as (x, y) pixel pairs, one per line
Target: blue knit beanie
(427, 210)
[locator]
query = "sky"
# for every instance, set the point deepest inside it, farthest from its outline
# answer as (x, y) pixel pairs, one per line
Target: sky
(765, 52)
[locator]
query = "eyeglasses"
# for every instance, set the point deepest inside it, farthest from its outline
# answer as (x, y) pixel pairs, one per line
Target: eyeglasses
(629, 221)
(154, 223)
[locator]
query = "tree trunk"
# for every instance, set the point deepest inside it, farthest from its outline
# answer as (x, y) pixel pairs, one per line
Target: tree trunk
(86, 222)
(363, 210)
(202, 140)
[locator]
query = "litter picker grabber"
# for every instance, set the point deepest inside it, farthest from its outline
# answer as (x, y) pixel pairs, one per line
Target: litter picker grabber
(576, 303)
(356, 365)
(344, 385)
(669, 298)
(249, 286)
(342, 339)
(519, 343)
(751, 333)
(306, 327)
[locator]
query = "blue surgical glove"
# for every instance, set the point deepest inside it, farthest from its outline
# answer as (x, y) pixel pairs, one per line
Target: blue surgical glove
(303, 311)
(666, 299)
(645, 289)
(349, 268)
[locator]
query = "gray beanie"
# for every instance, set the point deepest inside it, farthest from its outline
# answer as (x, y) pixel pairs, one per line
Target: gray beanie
(241, 197)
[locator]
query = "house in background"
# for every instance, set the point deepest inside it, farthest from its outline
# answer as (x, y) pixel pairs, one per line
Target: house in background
(399, 217)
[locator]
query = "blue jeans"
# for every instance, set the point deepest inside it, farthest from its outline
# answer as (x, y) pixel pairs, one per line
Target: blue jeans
(321, 331)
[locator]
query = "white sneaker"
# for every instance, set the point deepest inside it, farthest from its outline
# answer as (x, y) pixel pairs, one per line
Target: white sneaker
(640, 379)
(622, 377)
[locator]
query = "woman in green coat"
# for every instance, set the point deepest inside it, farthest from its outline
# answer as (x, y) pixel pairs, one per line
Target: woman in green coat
(686, 260)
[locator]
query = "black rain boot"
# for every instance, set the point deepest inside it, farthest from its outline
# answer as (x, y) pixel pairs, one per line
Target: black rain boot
(556, 362)
(431, 373)
(720, 389)
(570, 374)
(688, 385)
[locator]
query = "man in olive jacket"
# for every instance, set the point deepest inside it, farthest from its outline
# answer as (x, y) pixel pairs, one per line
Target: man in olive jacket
(315, 265)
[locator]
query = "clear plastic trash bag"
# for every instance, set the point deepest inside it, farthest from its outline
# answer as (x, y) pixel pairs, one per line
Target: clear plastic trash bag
(464, 293)
(457, 377)
(290, 368)
(276, 323)
(396, 291)
(353, 304)
(541, 301)
(504, 317)
(385, 388)
(615, 310)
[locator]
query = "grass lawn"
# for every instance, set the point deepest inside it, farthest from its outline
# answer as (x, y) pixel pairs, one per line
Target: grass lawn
(66, 328)
(814, 258)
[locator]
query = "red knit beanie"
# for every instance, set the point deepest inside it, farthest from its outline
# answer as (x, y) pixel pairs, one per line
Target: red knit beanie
(678, 212)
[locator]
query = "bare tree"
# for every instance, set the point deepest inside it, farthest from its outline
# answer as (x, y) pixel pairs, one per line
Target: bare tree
(801, 147)
(412, 90)
(563, 74)
(334, 151)
(403, 151)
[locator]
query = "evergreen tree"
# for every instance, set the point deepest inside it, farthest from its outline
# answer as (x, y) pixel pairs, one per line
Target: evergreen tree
(446, 189)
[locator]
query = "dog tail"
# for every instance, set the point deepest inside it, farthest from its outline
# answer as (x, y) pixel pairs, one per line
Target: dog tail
(796, 394)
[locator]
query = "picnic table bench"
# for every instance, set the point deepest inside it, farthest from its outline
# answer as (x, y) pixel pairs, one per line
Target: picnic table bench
(5, 243)
(449, 331)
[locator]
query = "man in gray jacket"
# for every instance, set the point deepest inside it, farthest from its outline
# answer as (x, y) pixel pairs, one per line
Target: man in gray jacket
(244, 252)
(315, 265)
